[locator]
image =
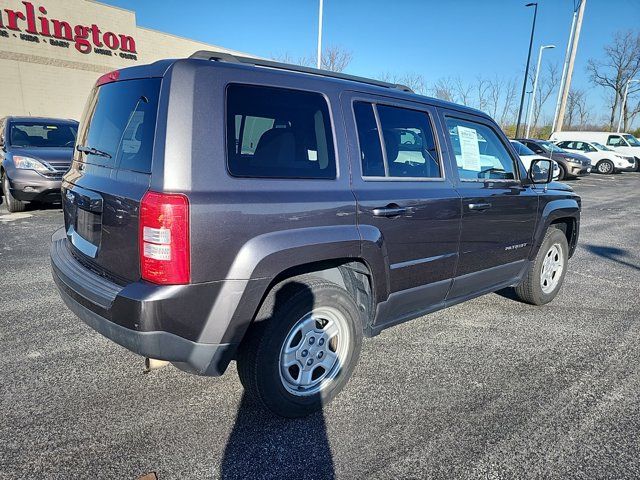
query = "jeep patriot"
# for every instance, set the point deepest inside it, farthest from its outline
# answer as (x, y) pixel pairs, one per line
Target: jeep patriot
(223, 208)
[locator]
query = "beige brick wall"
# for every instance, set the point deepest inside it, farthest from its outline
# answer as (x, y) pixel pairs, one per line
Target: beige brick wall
(41, 79)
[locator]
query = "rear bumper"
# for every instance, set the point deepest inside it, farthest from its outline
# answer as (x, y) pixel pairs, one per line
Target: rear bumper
(28, 186)
(113, 311)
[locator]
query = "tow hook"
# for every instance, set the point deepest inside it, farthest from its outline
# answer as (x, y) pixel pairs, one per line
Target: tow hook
(154, 364)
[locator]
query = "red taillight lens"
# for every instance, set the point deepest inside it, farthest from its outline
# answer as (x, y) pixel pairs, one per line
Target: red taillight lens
(108, 78)
(164, 238)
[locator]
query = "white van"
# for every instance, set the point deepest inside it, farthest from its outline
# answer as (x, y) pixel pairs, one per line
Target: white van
(622, 143)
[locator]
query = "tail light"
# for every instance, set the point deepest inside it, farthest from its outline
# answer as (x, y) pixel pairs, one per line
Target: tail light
(164, 238)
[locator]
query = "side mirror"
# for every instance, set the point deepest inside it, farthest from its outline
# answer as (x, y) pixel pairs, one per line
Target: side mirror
(541, 171)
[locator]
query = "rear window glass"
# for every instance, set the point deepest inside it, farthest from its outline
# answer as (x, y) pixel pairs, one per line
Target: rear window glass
(278, 133)
(42, 134)
(120, 125)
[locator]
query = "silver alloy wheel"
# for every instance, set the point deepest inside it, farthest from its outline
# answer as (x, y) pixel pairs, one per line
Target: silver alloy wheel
(604, 166)
(314, 351)
(552, 267)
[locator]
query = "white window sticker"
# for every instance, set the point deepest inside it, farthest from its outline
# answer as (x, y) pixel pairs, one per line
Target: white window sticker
(469, 148)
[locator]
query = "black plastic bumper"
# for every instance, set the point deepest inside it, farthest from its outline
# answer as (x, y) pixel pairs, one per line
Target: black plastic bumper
(95, 301)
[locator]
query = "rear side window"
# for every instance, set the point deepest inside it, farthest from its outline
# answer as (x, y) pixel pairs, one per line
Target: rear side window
(120, 124)
(479, 152)
(278, 133)
(407, 137)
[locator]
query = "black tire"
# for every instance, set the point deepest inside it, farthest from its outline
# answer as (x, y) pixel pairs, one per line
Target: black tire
(563, 172)
(259, 355)
(530, 290)
(13, 205)
(605, 167)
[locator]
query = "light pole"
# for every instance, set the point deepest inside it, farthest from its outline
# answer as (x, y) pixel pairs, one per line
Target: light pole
(319, 57)
(624, 101)
(526, 70)
(535, 86)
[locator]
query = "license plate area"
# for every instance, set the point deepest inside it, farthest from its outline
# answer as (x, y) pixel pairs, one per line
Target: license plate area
(89, 226)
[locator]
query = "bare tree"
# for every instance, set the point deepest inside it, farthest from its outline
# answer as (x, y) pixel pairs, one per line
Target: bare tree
(482, 87)
(334, 59)
(415, 81)
(621, 63)
(508, 102)
(444, 89)
(547, 83)
(462, 91)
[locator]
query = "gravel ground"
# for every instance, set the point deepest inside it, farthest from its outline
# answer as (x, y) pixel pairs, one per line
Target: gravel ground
(491, 388)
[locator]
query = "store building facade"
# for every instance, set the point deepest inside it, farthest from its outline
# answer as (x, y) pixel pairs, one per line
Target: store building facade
(52, 52)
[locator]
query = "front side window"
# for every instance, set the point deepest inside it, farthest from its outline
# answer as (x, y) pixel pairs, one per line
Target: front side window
(278, 133)
(480, 155)
(407, 138)
(42, 134)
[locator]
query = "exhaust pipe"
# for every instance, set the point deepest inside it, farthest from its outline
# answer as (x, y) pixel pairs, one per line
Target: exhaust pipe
(154, 364)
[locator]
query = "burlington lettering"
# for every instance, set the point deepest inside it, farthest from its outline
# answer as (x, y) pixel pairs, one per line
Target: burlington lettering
(83, 37)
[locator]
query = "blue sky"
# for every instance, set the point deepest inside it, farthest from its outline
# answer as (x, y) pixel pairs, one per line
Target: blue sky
(436, 38)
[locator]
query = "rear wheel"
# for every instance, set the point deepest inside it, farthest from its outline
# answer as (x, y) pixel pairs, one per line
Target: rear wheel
(546, 273)
(605, 167)
(13, 205)
(302, 348)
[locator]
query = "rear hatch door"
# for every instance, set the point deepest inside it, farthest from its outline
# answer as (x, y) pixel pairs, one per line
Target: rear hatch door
(110, 174)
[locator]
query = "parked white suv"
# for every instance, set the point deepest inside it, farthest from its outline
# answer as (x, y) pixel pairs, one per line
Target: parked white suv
(622, 143)
(603, 159)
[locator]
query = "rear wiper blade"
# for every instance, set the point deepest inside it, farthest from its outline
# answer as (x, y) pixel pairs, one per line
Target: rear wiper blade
(92, 151)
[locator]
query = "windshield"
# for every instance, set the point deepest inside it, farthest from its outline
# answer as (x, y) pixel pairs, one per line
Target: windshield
(521, 148)
(633, 141)
(42, 134)
(599, 146)
(551, 147)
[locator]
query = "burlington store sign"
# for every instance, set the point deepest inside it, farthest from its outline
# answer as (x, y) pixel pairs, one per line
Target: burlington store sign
(33, 25)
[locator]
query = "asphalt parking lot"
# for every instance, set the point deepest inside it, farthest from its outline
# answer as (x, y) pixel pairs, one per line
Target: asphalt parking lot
(491, 388)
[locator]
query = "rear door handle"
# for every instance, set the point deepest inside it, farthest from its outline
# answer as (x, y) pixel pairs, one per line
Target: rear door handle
(479, 206)
(390, 211)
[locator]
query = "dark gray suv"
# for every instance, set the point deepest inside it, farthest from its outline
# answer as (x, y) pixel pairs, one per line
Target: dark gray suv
(34, 154)
(221, 208)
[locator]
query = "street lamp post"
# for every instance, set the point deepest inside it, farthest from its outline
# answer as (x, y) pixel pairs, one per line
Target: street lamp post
(535, 86)
(624, 102)
(526, 70)
(319, 57)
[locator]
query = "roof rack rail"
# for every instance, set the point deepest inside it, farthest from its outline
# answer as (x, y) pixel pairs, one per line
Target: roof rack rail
(231, 58)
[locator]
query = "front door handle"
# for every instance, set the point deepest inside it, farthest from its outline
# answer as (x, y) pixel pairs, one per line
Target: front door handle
(390, 211)
(479, 206)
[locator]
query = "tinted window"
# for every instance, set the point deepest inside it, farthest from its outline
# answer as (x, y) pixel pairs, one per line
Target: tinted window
(616, 141)
(369, 139)
(120, 123)
(522, 149)
(408, 142)
(479, 152)
(278, 133)
(633, 141)
(42, 134)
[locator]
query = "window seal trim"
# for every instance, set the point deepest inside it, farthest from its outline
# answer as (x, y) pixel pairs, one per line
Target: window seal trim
(374, 104)
(516, 162)
(332, 133)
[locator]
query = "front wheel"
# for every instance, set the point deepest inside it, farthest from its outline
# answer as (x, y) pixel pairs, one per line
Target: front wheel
(546, 273)
(301, 349)
(563, 172)
(605, 167)
(13, 205)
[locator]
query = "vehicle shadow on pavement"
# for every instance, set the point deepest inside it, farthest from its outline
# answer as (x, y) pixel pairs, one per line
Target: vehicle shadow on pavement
(263, 445)
(614, 254)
